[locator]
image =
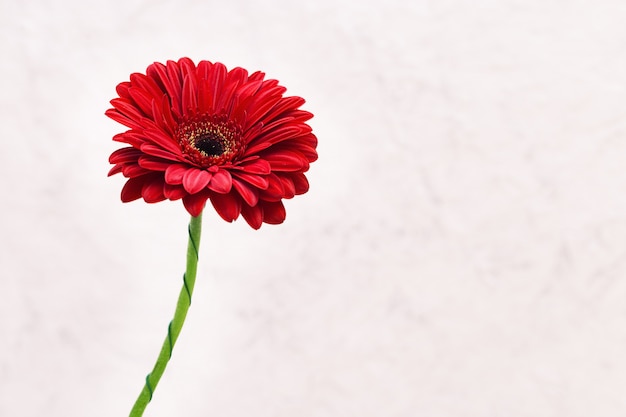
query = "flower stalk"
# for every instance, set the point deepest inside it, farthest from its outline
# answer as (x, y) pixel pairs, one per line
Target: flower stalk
(175, 326)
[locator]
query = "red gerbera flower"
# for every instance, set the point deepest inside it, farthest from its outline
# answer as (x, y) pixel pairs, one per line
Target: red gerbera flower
(205, 133)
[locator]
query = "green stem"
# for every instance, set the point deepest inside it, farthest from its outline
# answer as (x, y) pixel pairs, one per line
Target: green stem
(173, 330)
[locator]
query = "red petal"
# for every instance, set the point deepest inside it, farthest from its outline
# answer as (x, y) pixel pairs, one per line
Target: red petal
(256, 76)
(145, 83)
(300, 183)
(287, 121)
(142, 99)
(160, 152)
(285, 160)
(310, 140)
(125, 156)
(130, 137)
(298, 115)
(163, 115)
(162, 140)
(204, 95)
(285, 104)
(123, 119)
(274, 212)
(263, 103)
(275, 189)
(195, 180)
(132, 189)
(187, 66)
(115, 170)
(160, 73)
(122, 89)
(158, 117)
(152, 192)
(244, 97)
(268, 139)
(253, 215)
(228, 206)
(258, 166)
(257, 180)
(221, 182)
(194, 203)
(305, 145)
(249, 89)
(176, 82)
(173, 192)
(134, 170)
(190, 104)
(126, 108)
(153, 164)
(234, 79)
(174, 174)
(216, 79)
(203, 69)
(288, 187)
(249, 194)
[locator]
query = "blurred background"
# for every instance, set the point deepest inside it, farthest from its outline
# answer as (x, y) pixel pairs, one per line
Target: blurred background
(461, 252)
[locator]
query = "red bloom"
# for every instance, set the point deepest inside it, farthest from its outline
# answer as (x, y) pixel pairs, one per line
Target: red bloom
(205, 133)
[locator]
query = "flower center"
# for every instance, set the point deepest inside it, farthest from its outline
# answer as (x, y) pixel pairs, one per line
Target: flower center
(209, 140)
(210, 144)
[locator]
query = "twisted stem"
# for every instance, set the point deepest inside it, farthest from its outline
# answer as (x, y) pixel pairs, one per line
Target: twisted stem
(175, 326)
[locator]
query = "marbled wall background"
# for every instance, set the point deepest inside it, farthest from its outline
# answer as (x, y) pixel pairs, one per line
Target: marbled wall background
(461, 253)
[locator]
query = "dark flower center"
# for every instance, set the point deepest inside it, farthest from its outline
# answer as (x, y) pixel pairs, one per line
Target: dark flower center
(210, 140)
(210, 144)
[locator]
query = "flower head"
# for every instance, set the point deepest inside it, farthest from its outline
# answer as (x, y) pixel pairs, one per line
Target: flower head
(201, 132)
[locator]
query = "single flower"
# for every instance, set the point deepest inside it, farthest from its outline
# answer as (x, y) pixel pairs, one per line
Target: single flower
(201, 132)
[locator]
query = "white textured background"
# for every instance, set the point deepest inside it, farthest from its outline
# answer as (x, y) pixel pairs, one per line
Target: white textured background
(461, 253)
